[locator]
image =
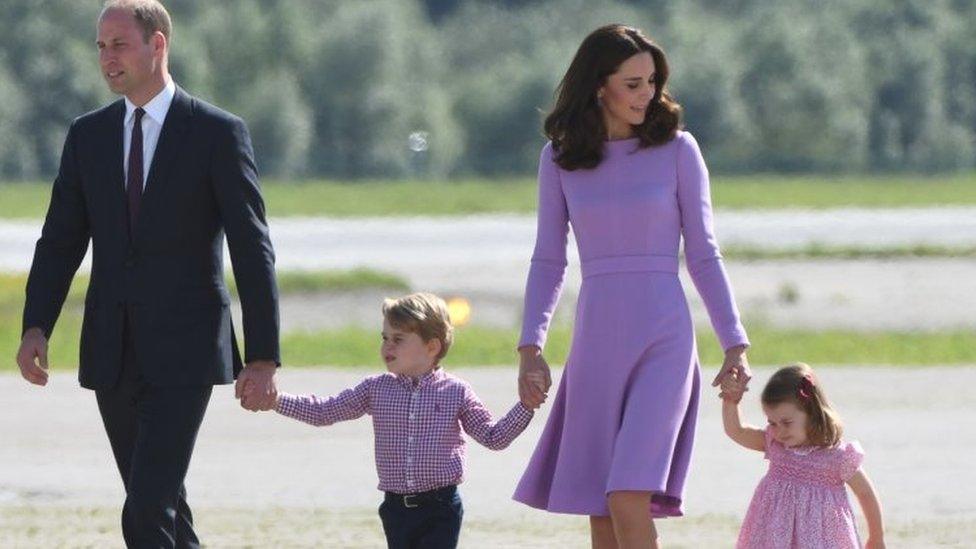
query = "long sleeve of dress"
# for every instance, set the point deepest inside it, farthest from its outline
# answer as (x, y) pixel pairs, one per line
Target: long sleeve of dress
(548, 268)
(701, 248)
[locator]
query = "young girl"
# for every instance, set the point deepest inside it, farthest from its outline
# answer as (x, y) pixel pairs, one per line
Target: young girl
(801, 502)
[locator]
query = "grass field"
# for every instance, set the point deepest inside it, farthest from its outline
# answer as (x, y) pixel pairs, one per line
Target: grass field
(818, 251)
(479, 346)
(64, 344)
(486, 346)
(409, 198)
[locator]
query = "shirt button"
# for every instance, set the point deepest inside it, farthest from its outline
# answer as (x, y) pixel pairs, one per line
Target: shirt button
(412, 416)
(409, 439)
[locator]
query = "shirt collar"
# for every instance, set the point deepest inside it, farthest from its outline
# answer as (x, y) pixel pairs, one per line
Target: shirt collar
(157, 107)
(423, 381)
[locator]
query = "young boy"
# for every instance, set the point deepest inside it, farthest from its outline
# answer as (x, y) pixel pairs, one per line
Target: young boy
(418, 412)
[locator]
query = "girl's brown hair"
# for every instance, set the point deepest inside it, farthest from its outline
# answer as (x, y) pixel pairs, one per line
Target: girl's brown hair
(575, 126)
(798, 384)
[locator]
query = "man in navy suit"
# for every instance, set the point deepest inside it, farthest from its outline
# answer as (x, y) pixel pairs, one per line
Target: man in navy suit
(155, 181)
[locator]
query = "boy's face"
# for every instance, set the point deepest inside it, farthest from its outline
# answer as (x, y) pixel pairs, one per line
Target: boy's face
(406, 353)
(789, 423)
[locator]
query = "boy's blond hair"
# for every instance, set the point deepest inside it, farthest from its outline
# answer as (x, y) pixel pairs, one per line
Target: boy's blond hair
(424, 314)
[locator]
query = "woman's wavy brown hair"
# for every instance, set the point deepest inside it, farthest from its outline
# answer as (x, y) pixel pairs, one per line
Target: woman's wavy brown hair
(575, 125)
(798, 384)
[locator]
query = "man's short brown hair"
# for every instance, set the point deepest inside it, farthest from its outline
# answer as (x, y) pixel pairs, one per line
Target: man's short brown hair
(149, 14)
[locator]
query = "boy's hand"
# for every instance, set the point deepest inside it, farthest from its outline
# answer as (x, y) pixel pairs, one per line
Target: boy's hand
(249, 389)
(539, 380)
(534, 377)
(256, 387)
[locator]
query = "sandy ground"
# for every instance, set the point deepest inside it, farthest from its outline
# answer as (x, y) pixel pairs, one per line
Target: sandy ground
(258, 480)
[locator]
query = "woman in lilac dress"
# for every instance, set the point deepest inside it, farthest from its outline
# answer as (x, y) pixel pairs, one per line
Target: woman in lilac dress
(631, 184)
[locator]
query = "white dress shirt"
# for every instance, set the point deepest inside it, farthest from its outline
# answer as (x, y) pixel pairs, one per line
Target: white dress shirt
(152, 125)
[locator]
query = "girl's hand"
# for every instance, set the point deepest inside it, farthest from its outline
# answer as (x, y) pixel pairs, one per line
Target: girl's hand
(733, 387)
(735, 359)
(534, 377)
(874, 544)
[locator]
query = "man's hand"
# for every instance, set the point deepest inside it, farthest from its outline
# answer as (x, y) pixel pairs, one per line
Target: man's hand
(534, 377)
(256, 386)
(32, 356)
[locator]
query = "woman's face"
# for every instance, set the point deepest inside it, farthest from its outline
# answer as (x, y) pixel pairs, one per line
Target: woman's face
(627, 93)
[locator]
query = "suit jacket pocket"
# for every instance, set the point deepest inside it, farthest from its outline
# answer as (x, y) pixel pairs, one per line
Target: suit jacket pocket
(185, 343)
(101, 344)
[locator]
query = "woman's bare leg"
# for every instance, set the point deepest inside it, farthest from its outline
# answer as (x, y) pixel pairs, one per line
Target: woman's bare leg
(601, 533)
(632, 524)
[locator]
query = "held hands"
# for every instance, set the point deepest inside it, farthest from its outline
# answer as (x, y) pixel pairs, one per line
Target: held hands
(534, 378)
(733, 387)
(735, 374)
(32, 356)
(735, 360)
(256, 387)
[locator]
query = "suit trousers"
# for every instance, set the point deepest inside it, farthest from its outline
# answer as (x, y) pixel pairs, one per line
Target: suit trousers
(152, 431)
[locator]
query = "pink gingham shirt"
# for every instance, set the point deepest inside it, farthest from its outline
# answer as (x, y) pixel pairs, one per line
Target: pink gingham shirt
(416, 426)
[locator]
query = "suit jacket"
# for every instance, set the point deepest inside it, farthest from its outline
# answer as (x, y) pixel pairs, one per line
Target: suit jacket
(165, 283)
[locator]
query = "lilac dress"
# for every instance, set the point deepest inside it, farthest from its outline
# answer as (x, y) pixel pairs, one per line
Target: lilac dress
(625, 411)
(802, 502)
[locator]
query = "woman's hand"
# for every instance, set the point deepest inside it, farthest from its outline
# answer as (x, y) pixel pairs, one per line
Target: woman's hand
(735, 363)
(534, 378)
(733, 387)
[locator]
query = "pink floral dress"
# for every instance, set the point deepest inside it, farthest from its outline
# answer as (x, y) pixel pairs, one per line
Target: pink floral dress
(802, 501)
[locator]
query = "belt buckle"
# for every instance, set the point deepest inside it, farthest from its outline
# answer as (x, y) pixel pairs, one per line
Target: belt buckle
(407, 501)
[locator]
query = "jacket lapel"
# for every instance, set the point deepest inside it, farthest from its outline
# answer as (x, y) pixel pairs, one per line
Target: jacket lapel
(114, 164)
(170, 144)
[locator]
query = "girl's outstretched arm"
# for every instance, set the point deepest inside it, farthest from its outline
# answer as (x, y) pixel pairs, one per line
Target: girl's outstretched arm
(870, 506)
(745, 435)
(733, 387)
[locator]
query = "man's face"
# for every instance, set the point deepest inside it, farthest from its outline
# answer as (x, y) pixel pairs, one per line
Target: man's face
(128, 62)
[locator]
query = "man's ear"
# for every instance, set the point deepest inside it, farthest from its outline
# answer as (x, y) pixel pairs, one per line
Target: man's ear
(159, 42)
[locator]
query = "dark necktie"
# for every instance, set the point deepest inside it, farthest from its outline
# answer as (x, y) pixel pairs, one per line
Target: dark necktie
(133, 180)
